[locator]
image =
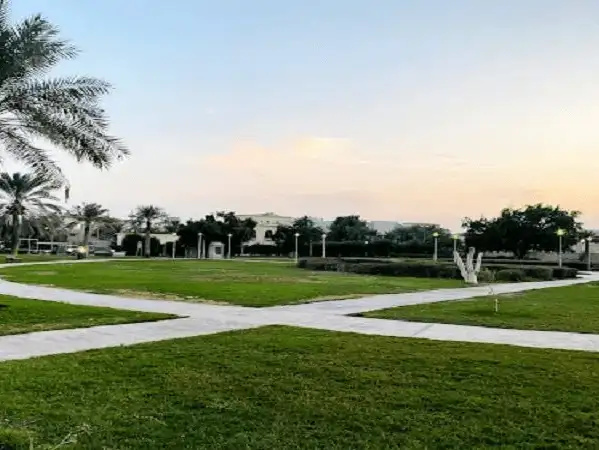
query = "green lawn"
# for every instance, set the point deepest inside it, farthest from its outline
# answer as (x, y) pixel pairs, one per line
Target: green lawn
(242, 283)
(571, 308)
(287, 388)
(19, 315)
(31, 257)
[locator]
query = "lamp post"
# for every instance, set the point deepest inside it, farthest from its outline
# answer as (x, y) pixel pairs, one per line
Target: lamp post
(229, 247)
(588, 248)
(366, 249)
(174, 234)
(296, 247)
(324, 245)
(559, 233)
(436, 245)
(200, 235)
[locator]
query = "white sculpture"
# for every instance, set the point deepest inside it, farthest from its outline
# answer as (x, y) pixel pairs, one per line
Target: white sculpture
(469, 271)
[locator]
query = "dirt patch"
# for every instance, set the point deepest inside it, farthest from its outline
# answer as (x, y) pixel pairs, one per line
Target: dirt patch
(162, 296)
(45, 273)
(147, 295)
(327, 298)
(246, 278)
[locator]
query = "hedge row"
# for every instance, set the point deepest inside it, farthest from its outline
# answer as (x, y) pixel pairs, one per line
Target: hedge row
(378, 248)
(429, 269)
(579, 265)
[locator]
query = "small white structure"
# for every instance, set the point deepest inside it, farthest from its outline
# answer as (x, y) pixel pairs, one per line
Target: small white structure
(216, 250)
(469, 271)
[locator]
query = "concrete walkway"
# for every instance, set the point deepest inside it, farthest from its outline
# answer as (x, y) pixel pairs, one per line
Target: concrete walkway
(201, 319)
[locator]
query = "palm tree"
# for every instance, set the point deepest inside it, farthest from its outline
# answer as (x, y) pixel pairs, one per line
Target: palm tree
(64, 111)
(148, 215)
(91, 215)
(26, 196)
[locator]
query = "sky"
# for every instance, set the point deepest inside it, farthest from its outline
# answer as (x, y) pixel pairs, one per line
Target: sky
(416, 111)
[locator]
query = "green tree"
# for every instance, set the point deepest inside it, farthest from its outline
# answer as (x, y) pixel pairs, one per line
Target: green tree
(64, 111)
(417, 234)
(520, 231)
(53, 227)
(217, 228)
(26, 197)
(241, 230)
(350, 228)
(284, 236)
(91, 216)
(150, 216)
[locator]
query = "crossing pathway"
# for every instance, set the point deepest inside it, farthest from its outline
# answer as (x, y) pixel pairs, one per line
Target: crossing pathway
(201, 319)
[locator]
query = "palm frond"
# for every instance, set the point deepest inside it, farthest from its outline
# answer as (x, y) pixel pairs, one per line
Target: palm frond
(32, 47)
(63, 111)
(36, 158)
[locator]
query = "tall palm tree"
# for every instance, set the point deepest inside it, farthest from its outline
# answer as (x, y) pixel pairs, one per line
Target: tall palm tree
(91, 216)
(149, 215)
(26, 196)
(64, 111)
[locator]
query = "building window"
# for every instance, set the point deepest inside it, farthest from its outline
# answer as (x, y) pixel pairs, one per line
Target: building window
(268, 234)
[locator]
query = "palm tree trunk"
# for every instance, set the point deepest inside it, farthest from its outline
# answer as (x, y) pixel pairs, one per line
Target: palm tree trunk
(148, 238)
(16, 230)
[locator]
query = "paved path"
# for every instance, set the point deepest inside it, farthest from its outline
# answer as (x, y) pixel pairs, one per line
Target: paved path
(201, 319)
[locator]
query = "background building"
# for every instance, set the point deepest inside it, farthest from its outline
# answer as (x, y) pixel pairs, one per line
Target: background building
(266, 226)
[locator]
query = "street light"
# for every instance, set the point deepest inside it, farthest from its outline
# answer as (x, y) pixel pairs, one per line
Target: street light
(455, 238)
(229, 248)
(366, 250)
(324, 245)
(559, 233)
(200, 235)
(174, 234)
(296, 248)
(436, 245)
(589, 240)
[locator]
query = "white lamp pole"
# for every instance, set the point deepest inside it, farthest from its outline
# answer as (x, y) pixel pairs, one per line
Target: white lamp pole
(229, 248)
(366, 250)
(588, 249)
(296, 246)
(436, 245)
(559, 233)
(199, 245)
(324, 245)
(174, 234)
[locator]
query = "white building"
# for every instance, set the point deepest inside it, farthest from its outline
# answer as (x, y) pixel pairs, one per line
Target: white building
(383, 226)
(267, 223)
(266, 226)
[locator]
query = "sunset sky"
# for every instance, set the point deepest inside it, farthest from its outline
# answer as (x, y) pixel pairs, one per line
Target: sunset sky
(415, 110)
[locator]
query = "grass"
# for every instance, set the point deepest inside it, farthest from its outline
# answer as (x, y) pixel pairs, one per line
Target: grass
(287, 388)
(238, 282)
(572, 308)
(32, 257)
(19, 315)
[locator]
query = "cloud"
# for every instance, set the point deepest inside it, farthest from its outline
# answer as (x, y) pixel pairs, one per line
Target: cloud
(327, 177)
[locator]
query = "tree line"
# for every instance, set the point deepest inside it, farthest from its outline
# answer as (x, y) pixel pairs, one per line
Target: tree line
(30, 206)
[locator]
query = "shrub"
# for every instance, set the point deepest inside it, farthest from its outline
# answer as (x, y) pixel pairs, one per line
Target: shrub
(429, 269)
(486, 276)
(560, 273)
(510, 275)
(261, 250)
(529, 262)
(538, 273)
(129, 244)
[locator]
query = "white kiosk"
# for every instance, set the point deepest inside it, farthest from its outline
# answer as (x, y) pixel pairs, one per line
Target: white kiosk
(216, 250)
